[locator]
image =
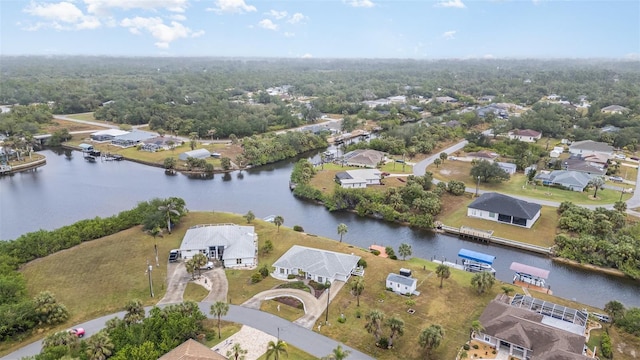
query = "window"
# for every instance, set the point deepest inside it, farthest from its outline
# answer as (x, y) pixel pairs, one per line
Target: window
(238, 261)
(281, 270)
(492, 214)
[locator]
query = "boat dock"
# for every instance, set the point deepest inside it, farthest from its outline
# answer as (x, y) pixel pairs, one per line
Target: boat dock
(487, 237)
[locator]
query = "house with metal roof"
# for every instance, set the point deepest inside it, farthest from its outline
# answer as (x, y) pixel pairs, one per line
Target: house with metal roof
(400, 284)
(354, 179)
(197, 153)
(614, 109)
(589, 147)
(504, 209)
(528, 328)
(315, 264)
(234, 245)
(132, 138)
(571, 180)
(107, 134)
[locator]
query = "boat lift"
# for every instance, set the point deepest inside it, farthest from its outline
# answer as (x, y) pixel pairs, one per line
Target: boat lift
(529, 274)
(474, 261)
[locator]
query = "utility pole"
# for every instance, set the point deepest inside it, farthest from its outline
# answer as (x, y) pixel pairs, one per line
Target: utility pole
(149, 269)
(477, 186)
(328, 285)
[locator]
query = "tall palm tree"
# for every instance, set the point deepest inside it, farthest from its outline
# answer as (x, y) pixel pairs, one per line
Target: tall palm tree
(357, 287)
(278, 221)
(443, 272)
(476, 326)
(99, 346)
(200, 260)
(274, 349)
(374, 321)
(597, 183)
(169, 208)
(483, 281)
(237, 352)
(430, 338)
(219, 309)
(338, 354)
(135, 312)
(396, 325)
(342, 229)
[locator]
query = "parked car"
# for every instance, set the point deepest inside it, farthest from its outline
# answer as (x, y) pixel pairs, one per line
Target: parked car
(79, 332)
(208, 266)
(173, 256)
(616, 178)
(635, 158)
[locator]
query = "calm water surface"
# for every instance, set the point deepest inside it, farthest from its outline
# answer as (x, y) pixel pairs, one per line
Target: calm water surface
(69, 189)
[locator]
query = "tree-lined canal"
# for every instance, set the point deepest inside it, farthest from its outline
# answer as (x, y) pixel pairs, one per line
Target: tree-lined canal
(69, 189)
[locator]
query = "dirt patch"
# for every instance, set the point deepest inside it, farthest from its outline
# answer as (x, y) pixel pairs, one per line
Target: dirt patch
(287, 300)
(445, 172)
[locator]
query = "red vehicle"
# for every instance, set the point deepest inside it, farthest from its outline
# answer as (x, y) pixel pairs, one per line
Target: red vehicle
(79, 332)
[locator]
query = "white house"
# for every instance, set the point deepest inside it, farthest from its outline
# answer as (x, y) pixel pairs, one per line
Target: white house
(401, 284)
(197, 153)
(353, 179)
(315, 264)
(504, 209)
(526, 135)
(509, 168)
(234, 245)
(590, 147)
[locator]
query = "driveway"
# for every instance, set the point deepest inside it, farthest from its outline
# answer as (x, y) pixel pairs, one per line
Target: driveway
(219, 286)
(177, 279)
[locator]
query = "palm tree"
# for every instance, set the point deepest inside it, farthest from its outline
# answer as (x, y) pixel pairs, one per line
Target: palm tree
(404, 250)
(61, 338)
(437, 162)
(506, 289)
(278, 221)
(193, 140)
(483, 281)
(620, 206)
(597, 183)
(219, 309)
(396, 325)
(337, 354)
(236, 352)
(199, 260)
(374, 320)
(276, 348)
(342, 229)
(443, 272)
(99, 346)
(476, 326)
(169, 208)
(357, 287)
(190, 265)
(430, 338)
(135, 312)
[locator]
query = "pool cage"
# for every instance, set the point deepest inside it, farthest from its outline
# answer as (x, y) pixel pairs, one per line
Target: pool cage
(573, 316)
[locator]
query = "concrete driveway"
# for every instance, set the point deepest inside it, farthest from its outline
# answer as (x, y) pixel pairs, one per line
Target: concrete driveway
(177, 279)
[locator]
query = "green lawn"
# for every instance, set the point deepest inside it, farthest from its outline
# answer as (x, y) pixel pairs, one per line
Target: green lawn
(459, 170)
(285, 311)
(195, 292)
(397, 168)
(88, 116)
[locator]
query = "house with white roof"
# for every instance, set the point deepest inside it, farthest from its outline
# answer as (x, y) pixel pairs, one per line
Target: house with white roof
(526, 135)
(197, 153)
(354, 179)
(234, 245)
(590, 147)
(614, 109)
(107, 134)
(315, 264)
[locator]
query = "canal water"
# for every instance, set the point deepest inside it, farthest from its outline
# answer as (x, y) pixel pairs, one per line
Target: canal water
(69, 189)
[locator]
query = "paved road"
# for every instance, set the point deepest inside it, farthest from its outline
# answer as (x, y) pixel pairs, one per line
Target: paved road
(313, 343)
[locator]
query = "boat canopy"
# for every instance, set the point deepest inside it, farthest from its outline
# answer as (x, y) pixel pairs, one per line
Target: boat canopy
(530, 270)
(476, 256)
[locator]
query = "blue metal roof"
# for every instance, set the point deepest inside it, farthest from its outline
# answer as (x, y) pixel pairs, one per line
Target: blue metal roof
(476, 256)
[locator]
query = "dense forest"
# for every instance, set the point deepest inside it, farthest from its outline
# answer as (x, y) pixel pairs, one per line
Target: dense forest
(220, 97)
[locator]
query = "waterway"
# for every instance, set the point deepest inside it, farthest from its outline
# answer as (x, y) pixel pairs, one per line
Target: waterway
(69, 189)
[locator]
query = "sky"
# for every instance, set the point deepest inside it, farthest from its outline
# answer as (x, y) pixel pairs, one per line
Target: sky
(415, 29)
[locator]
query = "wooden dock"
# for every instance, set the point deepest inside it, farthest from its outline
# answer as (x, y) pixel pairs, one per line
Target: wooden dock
(486, 236)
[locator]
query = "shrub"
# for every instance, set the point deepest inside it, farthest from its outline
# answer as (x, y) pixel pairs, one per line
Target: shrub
(410, 302)
(291, 276)
(256, 277)
(298, 228)
(342, 319)
(362, 263)
(375, 252)
(605, 345)
(264, 271)
(390, 252)
(466, 346)
(475, 346)
(383, 343)
(393, 257)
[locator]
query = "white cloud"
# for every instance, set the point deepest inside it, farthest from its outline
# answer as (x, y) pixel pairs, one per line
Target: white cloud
(60, 16)
(267, 24)
(64, 11)
(451, 34)
(102, 7)
(360, 3)
(232, 6)
(289, 34)
(488, 56)
(451, 3)
(306, 56)
(163, 33)
(296, 18)
(277, 14)
(178, 17)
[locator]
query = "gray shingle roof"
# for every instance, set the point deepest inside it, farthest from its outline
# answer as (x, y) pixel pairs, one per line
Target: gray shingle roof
(403, 280)
(237, 240)
(566, 178)
(507, 205)
(316, 261)
(591, 145)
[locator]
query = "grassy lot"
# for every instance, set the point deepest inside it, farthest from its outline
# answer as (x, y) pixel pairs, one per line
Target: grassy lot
(87, 117)
(397, 168)
(459, 170)
(109, 279)
(324, 180)
(195, 292)
(629, 172)
(286, 312)
(58, 124)
(542, 233)
(25, 159)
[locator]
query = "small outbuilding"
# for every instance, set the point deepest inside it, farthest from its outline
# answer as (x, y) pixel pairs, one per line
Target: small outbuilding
(400, 284)
(197, 153)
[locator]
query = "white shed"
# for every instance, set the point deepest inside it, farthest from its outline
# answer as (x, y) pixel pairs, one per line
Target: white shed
(197, 153)
(402, 284)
